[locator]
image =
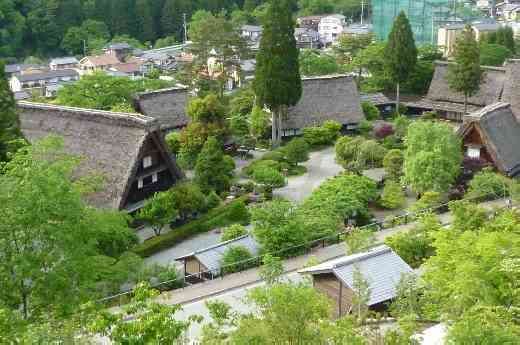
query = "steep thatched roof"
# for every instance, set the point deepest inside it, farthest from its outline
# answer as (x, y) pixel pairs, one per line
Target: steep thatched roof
(489, 93)
(326, 98)
(511, 93)
(166, 105)
(109, 143)
(500, 131)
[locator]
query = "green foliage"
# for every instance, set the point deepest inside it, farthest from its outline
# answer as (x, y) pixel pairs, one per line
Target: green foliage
(258, 123)
(233, 231)
(359, 240)
(504, 36)
(314, 63)
(432, 158)
(393, 164)
(401, 124)
(234, 212)
(187, 198)
(272, 269)
(193, 138)
(371, 112)
(493, 54)
(236, 259)
(213, 200)
(158, 211)
(173, 140)
(269, 177)
(325, 134)
(428, 200)
(350, 45)
(465, 75)
(393, 196)
(213, 171)
(467, 216)
(488, 185)
(358, 153)
(297, 150)
(262, 164)
(165, 42)
(206, 110)
(86, 36)
(9, 122)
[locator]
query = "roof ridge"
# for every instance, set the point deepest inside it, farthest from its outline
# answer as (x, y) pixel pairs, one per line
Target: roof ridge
(487, 110)
(490, 68)
(328, 76)
(376, 251)
(219, 244)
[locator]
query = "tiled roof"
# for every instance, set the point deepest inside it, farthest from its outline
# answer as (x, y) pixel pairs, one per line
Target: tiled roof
(64, 61)
(47, 75)
(102, 60)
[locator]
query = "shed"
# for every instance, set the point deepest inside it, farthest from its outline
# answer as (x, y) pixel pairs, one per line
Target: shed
(380, 267)
(493, 135)
(206, 263)
(325, 98)
(126, 150)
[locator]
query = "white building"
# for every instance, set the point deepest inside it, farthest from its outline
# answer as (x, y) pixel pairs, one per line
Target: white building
(331, 27)
(40, 80)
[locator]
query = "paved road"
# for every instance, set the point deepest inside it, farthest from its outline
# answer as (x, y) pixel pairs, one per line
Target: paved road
(321, 166)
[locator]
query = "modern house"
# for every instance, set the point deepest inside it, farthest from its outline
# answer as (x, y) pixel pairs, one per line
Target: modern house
(492, 135)
(207, 263)
(325, 98)
(126, 150)
(120, 50)
(307, 38)
(38, 80)
(63, 63)
(380, 268)
(331, 27)
(103, 62)
(310, 22)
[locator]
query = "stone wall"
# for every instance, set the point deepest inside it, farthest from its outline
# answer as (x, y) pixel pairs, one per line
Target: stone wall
(168, 106)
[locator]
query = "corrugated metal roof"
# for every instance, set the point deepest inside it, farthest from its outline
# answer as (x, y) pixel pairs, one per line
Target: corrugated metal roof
(211, 257)
(47, 75)
(64, 61)
(380, 267)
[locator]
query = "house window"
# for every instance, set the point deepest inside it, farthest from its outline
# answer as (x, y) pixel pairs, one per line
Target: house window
(148, 180)
(147, 162)
(140, 183)
(473, 152)
(154, 178)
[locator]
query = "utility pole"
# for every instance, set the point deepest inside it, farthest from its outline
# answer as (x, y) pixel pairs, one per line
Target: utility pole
(185, 25)
(362, 10)
(84, 47)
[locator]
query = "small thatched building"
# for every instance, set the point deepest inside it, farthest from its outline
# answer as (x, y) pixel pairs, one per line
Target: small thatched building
(380, 268)
(168, 106)
(325, 98)
(127, 150)
(442, 99)
(493, 135)
(511, 92)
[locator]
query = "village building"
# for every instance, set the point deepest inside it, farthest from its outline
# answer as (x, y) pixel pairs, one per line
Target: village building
(207, 263)
(63, 63)
(325, 98)
(380, 267)
(331, 27)
(167, 106)
(103, 62)
(120, 50)
(307, 38)
(20, 68)
(36, 81)
(492, 136)
(310, 22)
(126, 150)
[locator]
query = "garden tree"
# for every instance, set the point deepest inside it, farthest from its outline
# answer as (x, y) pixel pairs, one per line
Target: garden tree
(504, 36)
(165, 42)
(350, 45)
(193, 138)
(213, 170)
(393, 196)
(296, 151)
(187, 198)
(401, 124)
(416, 245)
(77, 38)
(361, 294)
(370, 111)
(272, 269)
(400, 52)
(158, 211)
(493, 54)
(325, 134)
(277, 81)
(408, 298)
(370, 155)
(311, 7)
(359, 240)
(432, 158)
(144, 21)
(14, 25)
(232, 232)
(428, 201)
(9, 122)
(372, 60)
(488, 184)
(393, 164)
(465, 75)
(206, 110)
(54, 246)
(152, 322)
(236, 259)
(314, 63)
(269, 177)
(467, 216)
(173, 140)
(243, 102)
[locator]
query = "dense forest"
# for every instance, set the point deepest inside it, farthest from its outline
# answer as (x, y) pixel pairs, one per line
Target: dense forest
(46, 28)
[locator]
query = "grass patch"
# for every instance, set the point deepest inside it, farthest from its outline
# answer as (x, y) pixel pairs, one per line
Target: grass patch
(234, 212)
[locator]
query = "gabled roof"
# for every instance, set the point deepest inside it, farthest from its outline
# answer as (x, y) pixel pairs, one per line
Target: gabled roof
(211, 257)
(13, 68)
(46, 75)
(326, 98)
(168, 106)
(500, 131)
(64, 61)
(380, 267)
(109, 143)
(101, 60)
(511, 93)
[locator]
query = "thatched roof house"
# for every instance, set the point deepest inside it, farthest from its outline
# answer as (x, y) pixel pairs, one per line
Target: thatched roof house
(493, 135)
(126, 149)
(511, 92)
(325, 98)
(168, 106)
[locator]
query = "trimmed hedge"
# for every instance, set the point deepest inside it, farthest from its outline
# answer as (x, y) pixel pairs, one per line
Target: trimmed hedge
(234, 212)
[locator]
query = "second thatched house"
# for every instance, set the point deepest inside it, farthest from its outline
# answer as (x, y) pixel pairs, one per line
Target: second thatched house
(126, 150)
(325, 98)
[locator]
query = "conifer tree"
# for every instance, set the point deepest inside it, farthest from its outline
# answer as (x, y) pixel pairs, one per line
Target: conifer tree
(144, 18)
(400, 52)
(9, 123)
(171, 20)
(213, 170)
(277, 83)
(123, 17)
(465, 75)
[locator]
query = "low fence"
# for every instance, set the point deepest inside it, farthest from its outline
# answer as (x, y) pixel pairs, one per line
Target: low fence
(294, 251)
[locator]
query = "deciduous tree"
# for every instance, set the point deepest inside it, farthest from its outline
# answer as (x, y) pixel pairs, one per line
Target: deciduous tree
(9, 122)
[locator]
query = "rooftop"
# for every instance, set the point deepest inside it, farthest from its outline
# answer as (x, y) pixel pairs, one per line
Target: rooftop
(47, 75)
(64, 61)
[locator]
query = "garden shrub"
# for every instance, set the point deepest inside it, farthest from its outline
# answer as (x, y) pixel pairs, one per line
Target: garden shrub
(322, 135)
(262, 164)
(488, 185)
(383, 130)
(393, 164)
(347, 149)
(371, 112)
(213, 200)
(235, 259)
(370, 155)
(269, 177)
(393, 196)
(234, 212)
(365, 128)
(233, 231)
(297, 150)
(173, 140)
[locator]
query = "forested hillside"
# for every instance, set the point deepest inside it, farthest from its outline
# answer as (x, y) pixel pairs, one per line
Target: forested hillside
(52, 27)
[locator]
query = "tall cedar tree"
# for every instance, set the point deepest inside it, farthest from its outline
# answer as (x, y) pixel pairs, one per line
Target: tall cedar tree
(277, 83)
(465, 75)
(212, 171)
(9, 123)
(400, 52)
(144, 18)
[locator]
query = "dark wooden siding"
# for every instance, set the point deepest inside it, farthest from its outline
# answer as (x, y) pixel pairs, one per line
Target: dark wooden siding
(329, 285)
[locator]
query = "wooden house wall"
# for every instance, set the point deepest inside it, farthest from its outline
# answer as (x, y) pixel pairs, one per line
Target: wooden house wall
(332, 287)
(193, 266)
(473, 137)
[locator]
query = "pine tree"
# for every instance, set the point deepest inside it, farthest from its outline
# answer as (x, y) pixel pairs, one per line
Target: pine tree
(9, 123)
(400, 52)
(144, 18)
(277, 83)
(465, 75)
(213, 170)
